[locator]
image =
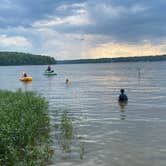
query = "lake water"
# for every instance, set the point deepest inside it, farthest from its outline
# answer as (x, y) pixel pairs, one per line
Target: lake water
(88, 127)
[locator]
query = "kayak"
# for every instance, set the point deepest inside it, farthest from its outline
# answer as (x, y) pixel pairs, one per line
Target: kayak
(50, 73)
(25, 78)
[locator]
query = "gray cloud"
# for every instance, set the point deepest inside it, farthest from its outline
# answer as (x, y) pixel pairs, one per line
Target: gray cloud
(22, 13)
(126, 21)
(134, 20)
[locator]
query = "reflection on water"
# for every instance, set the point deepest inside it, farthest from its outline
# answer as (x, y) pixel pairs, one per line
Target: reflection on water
(82, 150)
(139, 76)
(66, 134)
(90, 132)
(26, 85)
(122, 106)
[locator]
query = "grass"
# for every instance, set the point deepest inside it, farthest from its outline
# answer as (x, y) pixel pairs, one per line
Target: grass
(24, 129)
(66, 133)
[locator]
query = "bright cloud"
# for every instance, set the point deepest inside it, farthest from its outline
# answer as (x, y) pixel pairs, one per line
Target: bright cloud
(77, 20)
(14, 41)
(79, 17)
(113, 49)
(83, 29)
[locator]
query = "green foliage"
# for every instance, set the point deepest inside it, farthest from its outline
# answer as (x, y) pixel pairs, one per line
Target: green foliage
(15, 58)
(111, 60)
(24, 129)
(66, 132)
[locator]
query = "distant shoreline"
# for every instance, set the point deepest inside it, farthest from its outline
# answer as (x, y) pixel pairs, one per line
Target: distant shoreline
(18, 58)
(114, 60)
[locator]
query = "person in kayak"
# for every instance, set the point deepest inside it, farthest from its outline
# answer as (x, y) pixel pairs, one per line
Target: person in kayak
(24, 74)
(49, 69)
(123, 97)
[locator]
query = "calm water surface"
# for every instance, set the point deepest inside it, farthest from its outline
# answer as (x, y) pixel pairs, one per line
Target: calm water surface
(88, 127)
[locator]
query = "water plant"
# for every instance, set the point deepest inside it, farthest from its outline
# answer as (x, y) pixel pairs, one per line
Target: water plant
(24, 129)
(66, 132)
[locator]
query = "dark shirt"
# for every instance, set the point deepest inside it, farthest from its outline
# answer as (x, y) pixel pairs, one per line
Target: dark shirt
(123, 97)
(49, 68)
(25, 75)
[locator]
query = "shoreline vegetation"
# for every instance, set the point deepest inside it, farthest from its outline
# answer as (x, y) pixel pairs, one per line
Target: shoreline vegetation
(24, 135)
(115, 60)
(17, 58)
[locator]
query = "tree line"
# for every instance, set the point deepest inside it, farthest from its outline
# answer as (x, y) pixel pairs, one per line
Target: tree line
(111, 60)
(17, 58)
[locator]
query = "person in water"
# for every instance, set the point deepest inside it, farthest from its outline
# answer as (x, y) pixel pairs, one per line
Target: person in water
(123, 97)
(68, 81)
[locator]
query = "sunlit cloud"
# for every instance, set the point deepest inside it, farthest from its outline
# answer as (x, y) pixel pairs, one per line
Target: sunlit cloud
(83, 29)
(111, 49)
(79, 19)
(14, 41)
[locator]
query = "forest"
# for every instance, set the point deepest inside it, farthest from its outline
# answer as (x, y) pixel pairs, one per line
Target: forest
(111, 60)
(17, 58)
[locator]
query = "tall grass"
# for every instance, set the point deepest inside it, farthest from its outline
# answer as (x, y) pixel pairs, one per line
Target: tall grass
(65, 135)
(24, 129)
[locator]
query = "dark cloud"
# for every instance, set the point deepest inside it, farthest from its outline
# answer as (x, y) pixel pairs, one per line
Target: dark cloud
(128, 20)
(15, 13)
(122, 20)
(137, 20)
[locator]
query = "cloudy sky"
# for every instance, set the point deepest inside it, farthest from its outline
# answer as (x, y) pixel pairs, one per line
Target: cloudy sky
(74, 29)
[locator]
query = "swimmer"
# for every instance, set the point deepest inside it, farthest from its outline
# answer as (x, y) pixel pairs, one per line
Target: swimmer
(68, 81)
(123, 97)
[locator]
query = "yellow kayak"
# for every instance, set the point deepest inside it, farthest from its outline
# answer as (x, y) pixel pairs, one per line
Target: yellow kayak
(25, 78)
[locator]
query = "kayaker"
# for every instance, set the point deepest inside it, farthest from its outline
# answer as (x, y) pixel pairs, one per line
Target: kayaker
(49, 68)
(24, 74)
(123, 97)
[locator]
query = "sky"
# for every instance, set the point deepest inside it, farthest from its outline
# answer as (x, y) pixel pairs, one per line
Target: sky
(77, 29)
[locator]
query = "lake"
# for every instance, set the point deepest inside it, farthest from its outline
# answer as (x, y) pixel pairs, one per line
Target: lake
(88, 126)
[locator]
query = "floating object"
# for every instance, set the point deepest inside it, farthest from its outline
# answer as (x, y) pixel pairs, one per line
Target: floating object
(50, 72)
(68, 81)
(25, 78)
